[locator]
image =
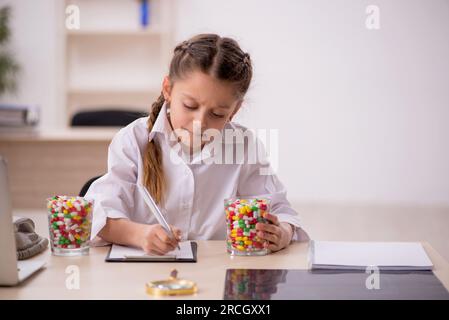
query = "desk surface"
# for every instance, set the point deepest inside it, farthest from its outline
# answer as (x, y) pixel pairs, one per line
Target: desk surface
(102, 280)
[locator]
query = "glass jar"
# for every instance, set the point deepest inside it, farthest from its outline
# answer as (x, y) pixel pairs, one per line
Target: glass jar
(242, 215)
(70, 221)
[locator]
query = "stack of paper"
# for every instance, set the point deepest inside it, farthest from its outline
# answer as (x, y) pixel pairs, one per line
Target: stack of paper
(360, 255)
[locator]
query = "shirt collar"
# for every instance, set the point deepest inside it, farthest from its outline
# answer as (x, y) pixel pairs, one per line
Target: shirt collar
(161, 125)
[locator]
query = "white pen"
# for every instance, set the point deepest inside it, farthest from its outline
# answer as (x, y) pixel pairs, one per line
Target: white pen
(156, 211)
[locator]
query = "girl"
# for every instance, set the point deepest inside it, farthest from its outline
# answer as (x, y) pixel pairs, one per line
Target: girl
(208, 78)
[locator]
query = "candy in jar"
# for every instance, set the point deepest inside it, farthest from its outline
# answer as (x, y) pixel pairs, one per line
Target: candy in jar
(242, 215)
(69, 224)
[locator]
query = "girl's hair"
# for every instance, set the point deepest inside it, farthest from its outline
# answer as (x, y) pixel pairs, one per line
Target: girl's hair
(211, 54)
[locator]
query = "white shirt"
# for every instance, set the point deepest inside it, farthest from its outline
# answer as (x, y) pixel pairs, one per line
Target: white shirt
(194, 199)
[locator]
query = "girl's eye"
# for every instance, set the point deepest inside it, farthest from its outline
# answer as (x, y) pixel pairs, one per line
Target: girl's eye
(188, 107)
(217, 115)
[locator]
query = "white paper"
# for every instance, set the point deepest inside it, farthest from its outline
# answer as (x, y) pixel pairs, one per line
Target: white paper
(359, 255)
(124, 252)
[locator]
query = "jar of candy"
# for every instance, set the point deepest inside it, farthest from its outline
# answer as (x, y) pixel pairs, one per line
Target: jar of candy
(70, 220)
(242, 215)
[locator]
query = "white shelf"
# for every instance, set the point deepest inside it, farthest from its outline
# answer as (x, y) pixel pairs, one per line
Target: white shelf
(66, 135)
(150, 32)
(91, 91)
(113, 61)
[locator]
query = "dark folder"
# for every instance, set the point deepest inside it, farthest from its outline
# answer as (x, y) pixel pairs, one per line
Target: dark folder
(281, 284)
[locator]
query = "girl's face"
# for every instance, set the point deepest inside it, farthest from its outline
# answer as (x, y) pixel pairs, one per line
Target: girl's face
(199, 102)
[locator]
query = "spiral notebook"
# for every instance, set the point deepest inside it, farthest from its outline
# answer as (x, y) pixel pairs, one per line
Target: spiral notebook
(187, 252)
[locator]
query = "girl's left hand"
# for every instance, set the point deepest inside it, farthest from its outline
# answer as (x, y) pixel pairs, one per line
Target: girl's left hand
(278, 234)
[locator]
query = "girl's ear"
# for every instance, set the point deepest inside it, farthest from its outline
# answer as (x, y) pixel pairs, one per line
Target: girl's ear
(237, 107)
(166, 88)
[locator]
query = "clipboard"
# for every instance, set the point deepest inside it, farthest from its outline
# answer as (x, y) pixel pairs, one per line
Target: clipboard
(155, 258)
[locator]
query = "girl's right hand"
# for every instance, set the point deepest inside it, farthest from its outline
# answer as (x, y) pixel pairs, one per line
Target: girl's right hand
(155, 239)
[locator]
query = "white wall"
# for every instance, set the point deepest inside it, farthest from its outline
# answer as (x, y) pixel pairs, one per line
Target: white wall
(363, 115)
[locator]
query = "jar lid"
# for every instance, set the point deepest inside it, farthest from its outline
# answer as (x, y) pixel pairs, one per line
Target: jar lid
(171, 286)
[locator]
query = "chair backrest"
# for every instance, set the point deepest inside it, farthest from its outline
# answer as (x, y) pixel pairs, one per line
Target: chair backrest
(87, 185)
(113, 118)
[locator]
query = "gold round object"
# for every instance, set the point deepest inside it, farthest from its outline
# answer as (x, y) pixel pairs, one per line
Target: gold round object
(171, 286)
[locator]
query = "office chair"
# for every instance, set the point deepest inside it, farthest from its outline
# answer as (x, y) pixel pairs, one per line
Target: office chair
(104, 118)
(87, 185)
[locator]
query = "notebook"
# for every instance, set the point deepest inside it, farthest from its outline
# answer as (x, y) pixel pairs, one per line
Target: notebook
(360, 255)
(187, 252)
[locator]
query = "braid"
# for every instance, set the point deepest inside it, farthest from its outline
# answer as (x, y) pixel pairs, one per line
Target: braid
(183, 47)
(246, 60)
(153, 171)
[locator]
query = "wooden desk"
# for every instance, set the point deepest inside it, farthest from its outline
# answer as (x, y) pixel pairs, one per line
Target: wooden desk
(50, 163)
(101, 280)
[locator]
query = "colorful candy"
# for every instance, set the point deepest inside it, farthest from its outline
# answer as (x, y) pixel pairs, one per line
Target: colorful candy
(242, 215)
(70, 222)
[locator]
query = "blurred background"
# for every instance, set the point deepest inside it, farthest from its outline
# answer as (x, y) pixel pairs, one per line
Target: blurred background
(359, 91)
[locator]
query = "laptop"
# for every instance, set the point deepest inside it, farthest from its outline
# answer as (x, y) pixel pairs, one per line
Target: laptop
(12, 271)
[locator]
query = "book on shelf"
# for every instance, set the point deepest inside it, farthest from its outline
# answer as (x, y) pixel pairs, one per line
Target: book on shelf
(15, 115)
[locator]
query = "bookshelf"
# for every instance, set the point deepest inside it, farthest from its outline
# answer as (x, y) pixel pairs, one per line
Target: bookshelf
(112, 61)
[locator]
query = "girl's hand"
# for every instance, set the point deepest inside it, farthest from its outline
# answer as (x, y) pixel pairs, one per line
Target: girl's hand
(279, 234)
(155, 239)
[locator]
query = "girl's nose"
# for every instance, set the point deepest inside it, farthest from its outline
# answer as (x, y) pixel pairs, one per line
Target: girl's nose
(200, 119)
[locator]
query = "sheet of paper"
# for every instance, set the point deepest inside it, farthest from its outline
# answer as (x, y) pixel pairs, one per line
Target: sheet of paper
(122, 252)
(385, 255)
